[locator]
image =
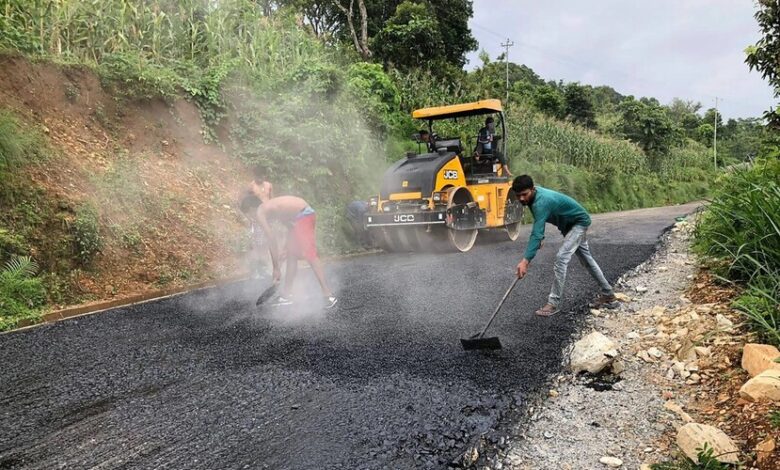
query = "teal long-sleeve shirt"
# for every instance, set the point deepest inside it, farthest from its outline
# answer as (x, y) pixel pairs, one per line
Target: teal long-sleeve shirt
(557, 209)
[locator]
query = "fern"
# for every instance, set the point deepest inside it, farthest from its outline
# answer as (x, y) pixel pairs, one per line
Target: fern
(19, 268)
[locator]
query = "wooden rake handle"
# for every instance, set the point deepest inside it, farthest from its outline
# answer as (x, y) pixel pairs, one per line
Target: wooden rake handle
(514, 283)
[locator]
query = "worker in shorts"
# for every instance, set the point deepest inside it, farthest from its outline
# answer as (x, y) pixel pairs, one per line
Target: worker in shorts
(300, 220)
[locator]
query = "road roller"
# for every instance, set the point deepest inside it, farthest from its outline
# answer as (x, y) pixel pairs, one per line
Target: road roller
(445, 194)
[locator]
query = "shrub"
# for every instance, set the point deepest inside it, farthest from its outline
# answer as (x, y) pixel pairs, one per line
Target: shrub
(21, 294)
(86, 234)
(741, 231)
(742, 225)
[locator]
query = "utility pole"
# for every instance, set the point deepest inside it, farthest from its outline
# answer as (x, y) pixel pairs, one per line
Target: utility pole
(715, 137)
(506, 47)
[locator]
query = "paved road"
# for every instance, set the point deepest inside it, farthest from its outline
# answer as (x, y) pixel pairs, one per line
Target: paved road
(205, 381)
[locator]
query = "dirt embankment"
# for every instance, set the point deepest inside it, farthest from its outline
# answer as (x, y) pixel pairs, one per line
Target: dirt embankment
(164, 199)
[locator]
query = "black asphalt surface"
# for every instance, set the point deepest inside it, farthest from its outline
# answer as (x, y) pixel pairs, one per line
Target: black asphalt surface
(205, 381)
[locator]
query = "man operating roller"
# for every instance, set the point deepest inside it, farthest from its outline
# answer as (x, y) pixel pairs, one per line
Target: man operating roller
(548, 206)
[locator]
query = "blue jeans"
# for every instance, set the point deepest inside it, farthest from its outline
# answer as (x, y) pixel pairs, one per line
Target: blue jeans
(576, 242)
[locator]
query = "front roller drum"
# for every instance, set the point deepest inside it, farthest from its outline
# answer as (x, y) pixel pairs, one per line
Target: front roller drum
(460, 239)
(403, 239)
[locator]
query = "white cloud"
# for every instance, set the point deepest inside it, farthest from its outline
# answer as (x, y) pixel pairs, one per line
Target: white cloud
(692, 49)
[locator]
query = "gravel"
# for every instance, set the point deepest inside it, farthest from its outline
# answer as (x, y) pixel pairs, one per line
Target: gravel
(582, 427)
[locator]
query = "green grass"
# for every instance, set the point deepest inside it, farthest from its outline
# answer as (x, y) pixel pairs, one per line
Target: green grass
(774, 418)
(740, 236)
(20, 144)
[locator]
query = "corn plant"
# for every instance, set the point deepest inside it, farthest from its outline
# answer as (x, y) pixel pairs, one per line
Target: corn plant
(569, 144)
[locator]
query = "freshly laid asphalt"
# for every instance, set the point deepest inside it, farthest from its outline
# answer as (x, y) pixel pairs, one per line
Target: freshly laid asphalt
(205, 380)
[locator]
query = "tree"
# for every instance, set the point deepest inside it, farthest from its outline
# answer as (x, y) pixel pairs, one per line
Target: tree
(712, 116)
(361, 42)
(578, 106)
(489, 81)
(648, 124)
(549, 101)
(685, 114)
(605, 98)
(763, 55)
(453, 18)
(323, 16)
(411, 38)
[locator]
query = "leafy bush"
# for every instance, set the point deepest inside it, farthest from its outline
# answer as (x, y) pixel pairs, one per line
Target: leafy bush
(133, 76)
(377, 95)
(11, 244)
(17, 23)
(741, 231)
(21, 294)
(86, 233)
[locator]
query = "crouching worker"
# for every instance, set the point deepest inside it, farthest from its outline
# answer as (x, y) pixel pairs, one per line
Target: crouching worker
(300, 220)
(573, 222)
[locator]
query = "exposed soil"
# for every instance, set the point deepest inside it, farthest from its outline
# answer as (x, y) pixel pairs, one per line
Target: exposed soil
(143, 166)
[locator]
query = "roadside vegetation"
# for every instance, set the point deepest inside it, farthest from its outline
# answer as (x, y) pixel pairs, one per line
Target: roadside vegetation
(740, 231)
(317, 96)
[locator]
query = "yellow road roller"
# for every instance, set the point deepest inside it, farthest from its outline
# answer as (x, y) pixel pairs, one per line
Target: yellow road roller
(442, 196)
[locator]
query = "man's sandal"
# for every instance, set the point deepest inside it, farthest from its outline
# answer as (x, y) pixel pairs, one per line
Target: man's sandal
(547, 311)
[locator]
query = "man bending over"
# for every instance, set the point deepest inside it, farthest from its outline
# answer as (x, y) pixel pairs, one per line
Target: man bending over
(300, 220)
(573, 222)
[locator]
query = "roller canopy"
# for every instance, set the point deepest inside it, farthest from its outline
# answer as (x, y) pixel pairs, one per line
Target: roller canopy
(459, 110)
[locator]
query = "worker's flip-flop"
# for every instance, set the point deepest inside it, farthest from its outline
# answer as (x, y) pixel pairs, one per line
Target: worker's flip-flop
(545, 312)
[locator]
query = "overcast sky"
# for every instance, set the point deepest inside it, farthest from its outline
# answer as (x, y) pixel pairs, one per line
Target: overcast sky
(690, 49)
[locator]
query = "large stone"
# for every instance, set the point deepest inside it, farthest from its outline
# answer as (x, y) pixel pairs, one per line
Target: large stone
(757, 358)
(764, 449)
(592, 353)
(613, 462)
(692, 437)
(763, 387)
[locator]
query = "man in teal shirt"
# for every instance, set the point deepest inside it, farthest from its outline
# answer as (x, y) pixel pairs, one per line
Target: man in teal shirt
(573, 221)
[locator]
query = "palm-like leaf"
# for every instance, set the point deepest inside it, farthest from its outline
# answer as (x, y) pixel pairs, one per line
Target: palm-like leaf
(20, 267)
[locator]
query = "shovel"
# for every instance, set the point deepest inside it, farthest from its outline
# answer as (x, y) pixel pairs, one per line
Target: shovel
(267, 294)
(478, 341)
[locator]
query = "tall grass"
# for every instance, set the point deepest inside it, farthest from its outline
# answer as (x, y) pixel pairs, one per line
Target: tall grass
(741, 229)
(19, 144)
